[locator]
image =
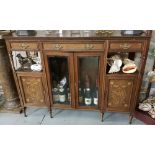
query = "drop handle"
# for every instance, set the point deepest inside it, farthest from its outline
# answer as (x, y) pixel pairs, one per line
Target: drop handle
(89, 46)
(58, 46)
(24, 46)
(125, 46)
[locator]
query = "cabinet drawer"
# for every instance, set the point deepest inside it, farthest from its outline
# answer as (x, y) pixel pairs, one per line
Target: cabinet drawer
(125, 46)
(24, 46)
(89, 46)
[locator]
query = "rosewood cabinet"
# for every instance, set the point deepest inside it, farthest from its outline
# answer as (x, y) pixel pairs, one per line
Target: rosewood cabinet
(80, 65)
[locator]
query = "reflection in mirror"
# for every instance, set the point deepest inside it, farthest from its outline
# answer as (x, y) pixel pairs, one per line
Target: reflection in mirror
(26, 61)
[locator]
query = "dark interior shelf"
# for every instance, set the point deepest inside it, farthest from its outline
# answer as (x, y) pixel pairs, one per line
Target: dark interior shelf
(144, 117)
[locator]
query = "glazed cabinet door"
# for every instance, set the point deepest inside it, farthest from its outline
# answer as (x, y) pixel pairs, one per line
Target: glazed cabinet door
(120, 94)
(88, 74)
(60, 73)
(33, 90)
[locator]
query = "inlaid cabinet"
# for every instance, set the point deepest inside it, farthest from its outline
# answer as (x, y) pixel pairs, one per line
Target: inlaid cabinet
(75, 72)
(120, 93)
(28, 86)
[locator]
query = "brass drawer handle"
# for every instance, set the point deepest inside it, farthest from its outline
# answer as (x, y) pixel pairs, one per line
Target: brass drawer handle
(24, 46)
(125, 46)
(58, 46)
(89, 46)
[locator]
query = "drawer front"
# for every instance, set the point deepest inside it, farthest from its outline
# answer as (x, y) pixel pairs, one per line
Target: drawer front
(125, 46)
(24, 46)
(73, 47)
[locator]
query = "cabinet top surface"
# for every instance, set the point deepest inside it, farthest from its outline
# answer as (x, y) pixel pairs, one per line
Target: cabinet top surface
(75, 34)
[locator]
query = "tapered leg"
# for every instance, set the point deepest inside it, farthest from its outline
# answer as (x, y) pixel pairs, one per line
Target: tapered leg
(102, 115)
(51, 113)
(25, 112)
(130, 118)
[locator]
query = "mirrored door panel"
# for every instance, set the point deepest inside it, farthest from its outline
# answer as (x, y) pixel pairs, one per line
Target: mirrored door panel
(59, 79)
(88, 81)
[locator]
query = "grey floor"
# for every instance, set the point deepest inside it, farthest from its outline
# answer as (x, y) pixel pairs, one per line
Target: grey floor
(65, 117)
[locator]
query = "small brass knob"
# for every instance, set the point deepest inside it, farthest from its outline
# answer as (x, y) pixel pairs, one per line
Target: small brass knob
(125, 105)
(109, 103)
(111, 83)
(23, 79)
(27, 100)
(41, 100)
(38, 80)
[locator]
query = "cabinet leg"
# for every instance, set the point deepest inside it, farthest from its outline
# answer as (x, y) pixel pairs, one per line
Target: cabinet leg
(102, 115)
(24, 109)
(51, 113)
(130, 118)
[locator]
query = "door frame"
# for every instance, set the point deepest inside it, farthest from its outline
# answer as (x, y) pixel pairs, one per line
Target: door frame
(101, 76)
(69, 56)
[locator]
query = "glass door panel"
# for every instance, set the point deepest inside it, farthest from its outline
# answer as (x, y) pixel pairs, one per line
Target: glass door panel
(60, 82)
(88, 80)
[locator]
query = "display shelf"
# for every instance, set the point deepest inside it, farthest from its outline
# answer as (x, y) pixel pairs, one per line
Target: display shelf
(144, 117)
(120, 73)
(28, 72)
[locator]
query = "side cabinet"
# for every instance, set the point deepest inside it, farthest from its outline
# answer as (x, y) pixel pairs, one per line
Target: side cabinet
(120, 92)
(29, 73)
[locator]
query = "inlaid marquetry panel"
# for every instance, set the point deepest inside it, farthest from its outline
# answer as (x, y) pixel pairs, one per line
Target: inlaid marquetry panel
(119, 94)
(33, 91)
